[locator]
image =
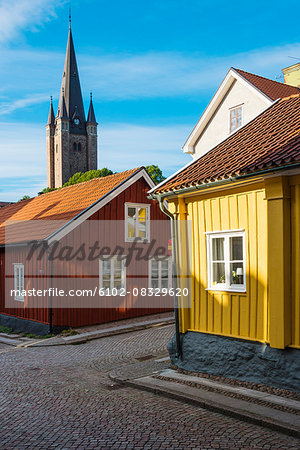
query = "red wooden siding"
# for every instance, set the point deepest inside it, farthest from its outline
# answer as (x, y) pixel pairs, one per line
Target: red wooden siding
(37, 272)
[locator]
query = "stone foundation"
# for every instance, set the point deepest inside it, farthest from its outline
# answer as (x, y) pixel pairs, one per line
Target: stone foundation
(237, 358)
(27, 326)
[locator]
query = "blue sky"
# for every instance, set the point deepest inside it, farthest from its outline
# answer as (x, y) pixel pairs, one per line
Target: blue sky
(152, 67)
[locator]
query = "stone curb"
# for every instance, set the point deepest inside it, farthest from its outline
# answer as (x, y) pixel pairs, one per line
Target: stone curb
(161, 388)
(85, 337)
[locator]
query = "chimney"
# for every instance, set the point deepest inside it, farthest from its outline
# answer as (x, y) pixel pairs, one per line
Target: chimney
(292, 75)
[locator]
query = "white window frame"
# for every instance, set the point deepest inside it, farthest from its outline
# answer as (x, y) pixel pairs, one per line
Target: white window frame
(137, 205)
(123, 272)
(229, 117)
(225, 286)
(169, 259)
(19, 284)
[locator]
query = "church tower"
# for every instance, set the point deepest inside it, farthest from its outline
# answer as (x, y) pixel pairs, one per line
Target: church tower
(71, 139)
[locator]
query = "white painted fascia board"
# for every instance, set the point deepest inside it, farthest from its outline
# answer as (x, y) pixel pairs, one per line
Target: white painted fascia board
(231, 76)
(88, 212)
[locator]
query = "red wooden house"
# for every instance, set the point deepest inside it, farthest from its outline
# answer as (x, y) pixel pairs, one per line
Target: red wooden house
(85, 254)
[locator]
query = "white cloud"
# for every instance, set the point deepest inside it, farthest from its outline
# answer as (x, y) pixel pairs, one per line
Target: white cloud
(7, 108)
(122, 77)
(17, 15)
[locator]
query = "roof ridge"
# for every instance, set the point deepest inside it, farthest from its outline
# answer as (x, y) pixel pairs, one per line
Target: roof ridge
(265, 78)
(289, 97)
(88, 181)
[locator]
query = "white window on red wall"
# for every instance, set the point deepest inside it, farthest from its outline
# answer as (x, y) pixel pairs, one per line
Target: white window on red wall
(235, 118)
(112, 273)
(19, 282)
(160, 273)
(226, 261)
(137, 222)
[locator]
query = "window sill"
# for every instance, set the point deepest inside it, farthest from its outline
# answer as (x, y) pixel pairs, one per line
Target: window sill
(137, 240)
(234, 291)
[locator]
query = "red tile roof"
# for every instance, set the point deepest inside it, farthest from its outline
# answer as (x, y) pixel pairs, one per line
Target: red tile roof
(273, 89)
(58, 207)
(270, 140)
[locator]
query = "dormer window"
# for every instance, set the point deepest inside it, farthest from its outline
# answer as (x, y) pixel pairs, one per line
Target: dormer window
(235, 118)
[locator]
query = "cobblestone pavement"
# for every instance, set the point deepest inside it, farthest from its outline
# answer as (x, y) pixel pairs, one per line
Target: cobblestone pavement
(61, 397)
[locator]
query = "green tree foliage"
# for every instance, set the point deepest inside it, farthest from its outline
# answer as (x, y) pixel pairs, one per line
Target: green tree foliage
(80, 177)
(155, 173)
(25, 197)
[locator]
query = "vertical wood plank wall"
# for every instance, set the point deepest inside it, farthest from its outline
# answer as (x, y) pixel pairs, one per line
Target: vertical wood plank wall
(233, 314)
(295, 264)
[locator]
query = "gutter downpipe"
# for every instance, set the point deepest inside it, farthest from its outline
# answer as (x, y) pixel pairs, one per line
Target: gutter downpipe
(50, 290)
(174, 271)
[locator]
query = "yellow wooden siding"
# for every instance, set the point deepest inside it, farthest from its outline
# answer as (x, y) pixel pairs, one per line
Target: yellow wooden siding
(295, 266)
(230, 313)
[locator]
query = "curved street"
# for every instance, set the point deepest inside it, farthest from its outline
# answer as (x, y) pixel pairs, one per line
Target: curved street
(61, 397)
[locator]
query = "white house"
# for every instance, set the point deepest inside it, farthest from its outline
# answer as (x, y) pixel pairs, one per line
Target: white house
(239, 99)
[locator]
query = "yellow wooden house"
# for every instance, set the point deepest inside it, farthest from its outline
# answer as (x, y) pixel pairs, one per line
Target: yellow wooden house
(236, 221)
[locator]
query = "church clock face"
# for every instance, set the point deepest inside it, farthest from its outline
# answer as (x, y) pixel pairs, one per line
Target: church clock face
(76, 121)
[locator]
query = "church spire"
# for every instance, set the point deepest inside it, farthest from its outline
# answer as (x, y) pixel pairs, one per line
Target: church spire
(51, 117)
(91, 115)
(70, 86)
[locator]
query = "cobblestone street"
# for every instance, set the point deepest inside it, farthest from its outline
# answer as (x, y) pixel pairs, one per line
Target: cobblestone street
(61, 397)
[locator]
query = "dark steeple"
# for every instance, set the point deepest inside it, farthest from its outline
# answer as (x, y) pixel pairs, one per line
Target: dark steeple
(70, 86)
(51, 117)
(91, 115)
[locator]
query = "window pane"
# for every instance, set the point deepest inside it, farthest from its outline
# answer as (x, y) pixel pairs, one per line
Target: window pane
(154, 284)
(142, 223)
(236, 273)
(164, 283)
(106, 267)
(106, 282)
(239, 113)
(164, 269)
(218, 249)
(131, 220)
(218, 273)
(154, 269)
(236, 248)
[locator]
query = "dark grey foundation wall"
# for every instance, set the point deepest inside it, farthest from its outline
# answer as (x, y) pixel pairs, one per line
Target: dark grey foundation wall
(27, 326)
(236, 358)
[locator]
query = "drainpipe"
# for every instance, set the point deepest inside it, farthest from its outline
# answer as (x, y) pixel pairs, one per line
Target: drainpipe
(174, 271)
(50, 316)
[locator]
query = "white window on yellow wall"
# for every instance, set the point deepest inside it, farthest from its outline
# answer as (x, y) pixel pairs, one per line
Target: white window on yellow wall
(19, 282)
(226, 261)
(137, 222)
(235, 118)
(160, 273)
